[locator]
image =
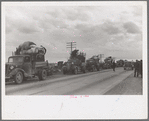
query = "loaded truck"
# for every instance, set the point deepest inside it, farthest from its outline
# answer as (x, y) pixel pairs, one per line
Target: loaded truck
(75, 64)
(93, 64)
(27, 63)
(108, 62)
(128, 65)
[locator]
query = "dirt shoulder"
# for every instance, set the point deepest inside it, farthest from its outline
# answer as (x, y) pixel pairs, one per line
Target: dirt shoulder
(130, 86)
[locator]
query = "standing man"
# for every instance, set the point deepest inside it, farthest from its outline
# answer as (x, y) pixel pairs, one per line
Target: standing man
(113, 65)
(140, 68)
(136, 66)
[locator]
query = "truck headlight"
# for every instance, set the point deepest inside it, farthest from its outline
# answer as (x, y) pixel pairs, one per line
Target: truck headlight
(11, 67)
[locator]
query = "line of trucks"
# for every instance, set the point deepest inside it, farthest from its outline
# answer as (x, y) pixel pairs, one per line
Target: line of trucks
(28, 61)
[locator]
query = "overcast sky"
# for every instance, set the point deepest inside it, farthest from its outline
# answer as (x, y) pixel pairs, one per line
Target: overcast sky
(110, 30)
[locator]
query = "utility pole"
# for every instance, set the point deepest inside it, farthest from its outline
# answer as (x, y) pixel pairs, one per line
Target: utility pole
(71, 45)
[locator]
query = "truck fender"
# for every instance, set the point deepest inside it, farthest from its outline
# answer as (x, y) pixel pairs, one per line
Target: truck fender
(13, 72)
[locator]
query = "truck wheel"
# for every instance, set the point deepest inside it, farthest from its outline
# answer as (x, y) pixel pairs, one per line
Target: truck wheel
(43, 74)
(76, 71)
(18, 77)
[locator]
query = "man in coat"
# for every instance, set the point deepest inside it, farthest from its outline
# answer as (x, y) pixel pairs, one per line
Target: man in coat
(113, 65)
(136, 66)
(140, 68)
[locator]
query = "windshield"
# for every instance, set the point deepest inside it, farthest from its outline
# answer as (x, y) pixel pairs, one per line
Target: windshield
(15, 59)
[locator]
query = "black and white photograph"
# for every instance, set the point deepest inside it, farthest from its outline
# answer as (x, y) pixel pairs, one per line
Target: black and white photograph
(74, 60)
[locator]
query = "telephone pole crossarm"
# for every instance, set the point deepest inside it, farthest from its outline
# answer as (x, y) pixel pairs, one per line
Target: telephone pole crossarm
(71, 45)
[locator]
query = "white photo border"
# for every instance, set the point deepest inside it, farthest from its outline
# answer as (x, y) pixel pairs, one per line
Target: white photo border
(92, 107)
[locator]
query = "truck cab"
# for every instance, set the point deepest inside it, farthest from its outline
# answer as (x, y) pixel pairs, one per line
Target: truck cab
(21, 67)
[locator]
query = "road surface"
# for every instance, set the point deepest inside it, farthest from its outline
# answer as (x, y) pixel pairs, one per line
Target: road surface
(91, 83)
(130, 86)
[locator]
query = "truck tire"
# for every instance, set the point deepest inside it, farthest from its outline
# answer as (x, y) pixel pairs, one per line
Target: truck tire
(43, 74)
(75, 71)
(18, 78)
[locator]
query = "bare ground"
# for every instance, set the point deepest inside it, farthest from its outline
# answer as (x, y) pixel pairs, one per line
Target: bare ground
(130, 86)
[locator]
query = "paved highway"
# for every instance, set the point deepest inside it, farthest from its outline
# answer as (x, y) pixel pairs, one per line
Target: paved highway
(91, 83)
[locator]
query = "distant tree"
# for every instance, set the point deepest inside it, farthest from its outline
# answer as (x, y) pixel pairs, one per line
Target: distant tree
(74, 54)
(80, 56)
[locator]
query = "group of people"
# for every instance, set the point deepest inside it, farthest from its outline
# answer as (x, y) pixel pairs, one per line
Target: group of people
(138, 68)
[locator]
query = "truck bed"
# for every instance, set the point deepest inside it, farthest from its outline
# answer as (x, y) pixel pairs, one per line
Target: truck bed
(41, 64)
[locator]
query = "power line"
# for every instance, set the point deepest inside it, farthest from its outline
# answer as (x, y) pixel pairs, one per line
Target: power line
(71, 45)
